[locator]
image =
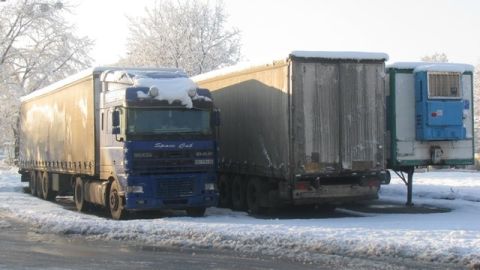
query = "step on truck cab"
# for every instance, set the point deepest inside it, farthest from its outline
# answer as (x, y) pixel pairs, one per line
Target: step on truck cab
(127, 139)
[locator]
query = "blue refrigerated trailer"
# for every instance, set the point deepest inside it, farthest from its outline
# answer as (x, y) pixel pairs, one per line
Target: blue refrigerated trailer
(430, 116)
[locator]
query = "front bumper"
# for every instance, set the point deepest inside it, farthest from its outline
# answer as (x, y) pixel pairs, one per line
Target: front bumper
(173, 191)
(136, 202)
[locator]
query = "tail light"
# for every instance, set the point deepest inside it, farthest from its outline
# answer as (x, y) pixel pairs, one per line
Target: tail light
(302, 185)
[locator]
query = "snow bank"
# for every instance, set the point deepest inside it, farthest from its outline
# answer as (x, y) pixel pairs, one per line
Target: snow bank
(4, 224)
(445, 67)
(452, 237)
(165, 84)
(429, 66)
(407, 65)
(444, 185)
(114, 73)
(341, 55)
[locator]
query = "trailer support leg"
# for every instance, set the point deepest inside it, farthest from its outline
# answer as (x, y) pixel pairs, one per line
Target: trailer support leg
(408, 182)
(409, 187)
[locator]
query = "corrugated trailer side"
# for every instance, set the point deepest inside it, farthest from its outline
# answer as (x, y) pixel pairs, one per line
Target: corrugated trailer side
(57, 129)
(254, 111)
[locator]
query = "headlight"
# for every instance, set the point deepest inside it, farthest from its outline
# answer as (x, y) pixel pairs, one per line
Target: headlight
(135, 189)
(204, 162)
(122, 178)
(210, 187)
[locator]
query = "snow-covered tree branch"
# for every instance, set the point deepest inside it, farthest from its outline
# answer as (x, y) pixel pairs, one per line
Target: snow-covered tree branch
(186, 34)
(436, 57)
(37, 47)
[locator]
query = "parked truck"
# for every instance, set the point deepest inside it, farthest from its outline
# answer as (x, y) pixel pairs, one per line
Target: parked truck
(306, 130)
(123, 138)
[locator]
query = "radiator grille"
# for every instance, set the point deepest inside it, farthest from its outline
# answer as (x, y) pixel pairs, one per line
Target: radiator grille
(444, 84)
(175, 188)
(159, 162)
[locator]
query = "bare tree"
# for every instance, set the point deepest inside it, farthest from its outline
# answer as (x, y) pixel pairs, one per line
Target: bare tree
(186, 34)
(37, 46)
(436, 57)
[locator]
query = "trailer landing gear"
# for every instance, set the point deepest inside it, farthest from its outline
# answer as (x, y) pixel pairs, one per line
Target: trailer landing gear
(408, 181)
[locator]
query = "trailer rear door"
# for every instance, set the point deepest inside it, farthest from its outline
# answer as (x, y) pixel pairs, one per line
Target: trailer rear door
(338, 115)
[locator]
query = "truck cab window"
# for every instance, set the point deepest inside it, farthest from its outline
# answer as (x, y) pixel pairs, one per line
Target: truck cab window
(147, 122)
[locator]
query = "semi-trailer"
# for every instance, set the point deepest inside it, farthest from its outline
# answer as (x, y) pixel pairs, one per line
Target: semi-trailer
(305, 130)
(430, 117)
(128, 139)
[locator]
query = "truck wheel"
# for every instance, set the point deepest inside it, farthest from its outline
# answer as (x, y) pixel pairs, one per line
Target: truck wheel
(225, 199)
(38, 184)
(79, 196)
(32, 184)
(255, 192)
(48, 193)
(115, 202)
(196, 211)
(238, 194)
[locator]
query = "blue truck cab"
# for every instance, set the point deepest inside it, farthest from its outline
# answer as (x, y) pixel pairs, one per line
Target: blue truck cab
(158, 140)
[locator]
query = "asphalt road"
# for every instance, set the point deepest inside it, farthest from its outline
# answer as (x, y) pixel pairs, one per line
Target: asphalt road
(22, 248)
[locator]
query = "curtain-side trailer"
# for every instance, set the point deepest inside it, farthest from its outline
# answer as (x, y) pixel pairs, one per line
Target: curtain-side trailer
(123, 138)
(306, 130)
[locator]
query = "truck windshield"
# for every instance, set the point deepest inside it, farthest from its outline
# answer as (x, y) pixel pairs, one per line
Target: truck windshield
(169, 121)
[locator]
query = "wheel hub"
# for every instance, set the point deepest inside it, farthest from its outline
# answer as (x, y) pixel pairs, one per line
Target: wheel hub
(114, 200)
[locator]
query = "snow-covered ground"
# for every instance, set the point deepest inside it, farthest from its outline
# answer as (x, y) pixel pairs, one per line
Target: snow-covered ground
(450, 238)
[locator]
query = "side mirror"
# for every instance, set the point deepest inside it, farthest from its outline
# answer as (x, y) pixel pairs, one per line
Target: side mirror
(216, 117)
(116, 122)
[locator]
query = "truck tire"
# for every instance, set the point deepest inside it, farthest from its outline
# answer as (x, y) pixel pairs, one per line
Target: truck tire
(255, 193)
(32, 184)
(196, 211)
(48, 193)
(238, 194)
(38, 184)
(79, 195)
(116, 202)
(225, 190)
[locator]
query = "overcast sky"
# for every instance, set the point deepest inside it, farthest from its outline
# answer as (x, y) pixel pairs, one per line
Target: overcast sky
(406, 29)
